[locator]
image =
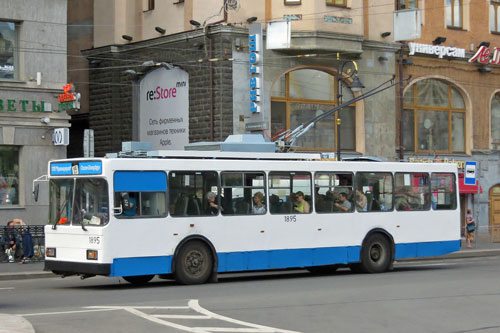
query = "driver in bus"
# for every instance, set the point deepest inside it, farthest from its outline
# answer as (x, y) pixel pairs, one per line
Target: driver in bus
(132, 211)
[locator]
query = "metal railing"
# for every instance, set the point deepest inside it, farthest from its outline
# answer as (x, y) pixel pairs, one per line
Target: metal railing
(21, 235)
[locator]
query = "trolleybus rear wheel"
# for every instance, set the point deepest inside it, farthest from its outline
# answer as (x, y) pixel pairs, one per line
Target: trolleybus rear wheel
(193, 263)
(376, 254)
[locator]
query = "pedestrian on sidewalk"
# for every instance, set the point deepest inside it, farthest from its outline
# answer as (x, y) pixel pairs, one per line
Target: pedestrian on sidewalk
(470, 227)
(12, 242)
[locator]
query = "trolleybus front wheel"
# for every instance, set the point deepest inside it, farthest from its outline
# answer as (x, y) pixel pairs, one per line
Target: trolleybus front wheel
(376, 256)
(193, 263)
(138, 279)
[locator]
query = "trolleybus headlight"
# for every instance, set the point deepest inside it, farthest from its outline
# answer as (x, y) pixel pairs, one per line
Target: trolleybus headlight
(50, 252)
(91, 254)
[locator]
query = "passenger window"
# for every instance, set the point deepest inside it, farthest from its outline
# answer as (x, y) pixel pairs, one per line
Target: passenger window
(140, 193)
(193, 193)
(243, 193)
(412, 191)
(290, 192)
(377, 188)
(333, 192)
(444, 194)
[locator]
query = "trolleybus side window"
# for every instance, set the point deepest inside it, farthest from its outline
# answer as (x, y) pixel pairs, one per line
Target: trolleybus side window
(328, 186)
(243, 193)
(290, 192)
(444, 194)
(140, 193)
(377, 187)
(193, 193)
(412, 191)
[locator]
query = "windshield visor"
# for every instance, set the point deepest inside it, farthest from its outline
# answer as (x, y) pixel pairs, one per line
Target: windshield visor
(79, 201)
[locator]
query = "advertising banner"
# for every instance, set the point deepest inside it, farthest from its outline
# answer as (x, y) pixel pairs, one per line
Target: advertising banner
(164, 109)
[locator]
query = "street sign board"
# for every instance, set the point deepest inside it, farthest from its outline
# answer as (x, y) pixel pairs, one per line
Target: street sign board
(470, 173)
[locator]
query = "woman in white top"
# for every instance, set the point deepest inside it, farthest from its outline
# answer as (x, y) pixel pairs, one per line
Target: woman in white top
(258, 207)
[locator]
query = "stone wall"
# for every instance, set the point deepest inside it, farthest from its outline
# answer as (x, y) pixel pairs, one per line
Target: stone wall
(111, 90)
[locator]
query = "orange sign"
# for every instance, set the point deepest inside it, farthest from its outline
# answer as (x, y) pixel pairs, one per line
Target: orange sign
(67, 96)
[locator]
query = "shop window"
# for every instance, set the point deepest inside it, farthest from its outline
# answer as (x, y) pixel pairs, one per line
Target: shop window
(303, 94)
(495, 122)
(377, 188)
(243, 193)
(193, 193)
(9, 176)
(444, 193)
(8, 50)
(338, 3)
(408, 4)
(412, 191)
(433, 118)
(333, 192)
(454, 13)
(495, 16)
(290, 193)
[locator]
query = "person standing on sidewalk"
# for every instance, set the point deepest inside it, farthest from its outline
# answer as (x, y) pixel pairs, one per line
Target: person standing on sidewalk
(470, 227)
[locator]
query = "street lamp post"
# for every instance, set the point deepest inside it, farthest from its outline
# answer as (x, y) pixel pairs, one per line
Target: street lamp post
(355, 86)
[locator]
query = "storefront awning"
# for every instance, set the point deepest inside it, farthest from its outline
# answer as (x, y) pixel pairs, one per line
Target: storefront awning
(468, 189)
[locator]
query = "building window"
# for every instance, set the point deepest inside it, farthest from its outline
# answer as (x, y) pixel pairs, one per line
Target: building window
(408, 4)
(303, 94)
(494, 16)
(495, 122)
(454, 13)
(292, 2)
(8, 47)
(339, 3)
(433, 118)
(9, 176)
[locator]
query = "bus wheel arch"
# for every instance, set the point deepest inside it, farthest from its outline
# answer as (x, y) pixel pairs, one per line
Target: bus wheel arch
(195, 261)
(377, 252)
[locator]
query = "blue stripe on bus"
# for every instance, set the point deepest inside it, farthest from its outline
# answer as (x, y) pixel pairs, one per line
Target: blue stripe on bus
(427, 249)
(275, 259)
(140, 181)
(141, 266)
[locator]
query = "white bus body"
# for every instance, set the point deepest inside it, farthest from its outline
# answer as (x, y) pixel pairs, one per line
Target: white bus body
(111, 245)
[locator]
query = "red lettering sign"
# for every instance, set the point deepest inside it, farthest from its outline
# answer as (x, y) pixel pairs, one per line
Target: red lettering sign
(67, 96)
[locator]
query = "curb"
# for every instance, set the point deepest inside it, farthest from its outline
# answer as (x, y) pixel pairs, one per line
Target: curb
(25, 276)
(458, 255)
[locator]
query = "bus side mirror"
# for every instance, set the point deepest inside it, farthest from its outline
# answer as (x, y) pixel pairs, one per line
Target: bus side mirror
(36, 189)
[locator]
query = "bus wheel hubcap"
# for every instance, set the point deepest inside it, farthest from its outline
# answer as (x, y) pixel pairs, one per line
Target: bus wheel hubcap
(375, 252)
(194, 262)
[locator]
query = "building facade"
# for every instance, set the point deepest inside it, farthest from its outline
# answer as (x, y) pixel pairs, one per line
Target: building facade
(191, 78)
(32, 74)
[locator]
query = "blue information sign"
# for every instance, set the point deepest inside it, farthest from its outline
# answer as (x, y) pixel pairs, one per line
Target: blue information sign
(470, 173)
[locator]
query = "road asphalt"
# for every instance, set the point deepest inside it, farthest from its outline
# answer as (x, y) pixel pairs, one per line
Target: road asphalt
(34, 270)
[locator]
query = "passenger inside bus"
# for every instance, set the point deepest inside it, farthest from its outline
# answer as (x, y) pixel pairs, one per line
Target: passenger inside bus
(301, 205)
(258, 207)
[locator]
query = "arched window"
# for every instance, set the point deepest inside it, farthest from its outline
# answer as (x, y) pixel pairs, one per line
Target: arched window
(454, 13)
(303, 94)
(495, 122)
(495, 16)
(433, 118)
